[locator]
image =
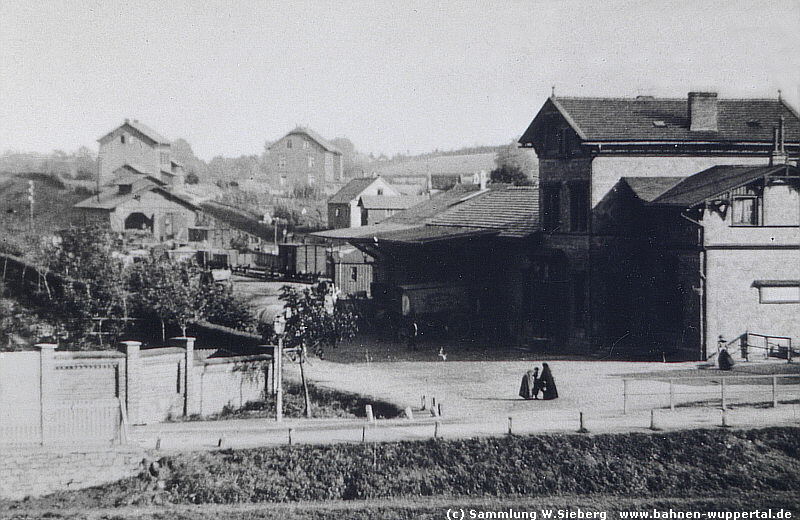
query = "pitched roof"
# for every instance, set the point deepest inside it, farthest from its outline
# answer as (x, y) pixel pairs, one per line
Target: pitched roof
(395, 203)
(648, 188)
(513, 210)
(324, 143)
(110, 198)
(662, 119)
(435, 205)
(429, 234)
(351, 190)
(714, 181)
(142, 129)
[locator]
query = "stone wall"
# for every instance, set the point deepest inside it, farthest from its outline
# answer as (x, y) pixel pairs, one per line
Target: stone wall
(34, 472)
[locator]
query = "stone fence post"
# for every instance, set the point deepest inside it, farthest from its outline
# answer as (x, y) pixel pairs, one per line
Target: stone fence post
(189, 398)
(47, 389)
(133, 380)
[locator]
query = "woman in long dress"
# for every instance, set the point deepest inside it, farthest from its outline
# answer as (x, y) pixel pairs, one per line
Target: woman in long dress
(548, 384)
(530, 383)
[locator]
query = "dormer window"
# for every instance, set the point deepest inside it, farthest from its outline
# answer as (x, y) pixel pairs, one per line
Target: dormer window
(745, 206)
(288, 143)
(124, 189)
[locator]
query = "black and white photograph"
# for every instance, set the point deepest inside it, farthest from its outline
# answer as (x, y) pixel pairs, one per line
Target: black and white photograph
(365, 259)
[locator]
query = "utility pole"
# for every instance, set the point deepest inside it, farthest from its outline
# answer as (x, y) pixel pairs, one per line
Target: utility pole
(30, 201)
(278, 326)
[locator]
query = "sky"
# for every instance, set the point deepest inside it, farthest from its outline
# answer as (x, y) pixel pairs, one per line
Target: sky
(393, 77)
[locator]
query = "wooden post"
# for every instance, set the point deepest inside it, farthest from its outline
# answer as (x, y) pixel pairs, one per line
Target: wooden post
(653, 425)
(370, 416)
(221, 442)
(158, 443)
(722, 387)
(672, 394)
(436, 430)
(363, 434)
(509, 426)
(291, 431)
(725, 419)
(439, 409)
(624, 396)
(582, 429)
(278, 377)
(422, 407)
(774, 391)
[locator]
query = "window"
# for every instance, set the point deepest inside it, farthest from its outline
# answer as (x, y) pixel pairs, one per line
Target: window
(551, 207)
(745, 206)
(288, 143)
(778, 291)
(122, 139)
(354, 274)
(579, 207)
(306, 144)
(310, 162)
(312, 179)
(164, 157)
(563, 142)
(380, 191)
(338, 212)
(282, 162)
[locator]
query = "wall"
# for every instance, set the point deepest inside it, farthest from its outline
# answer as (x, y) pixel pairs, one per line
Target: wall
(221, 382)
(141, 152)
(733, 300)
(157, 207)
(342, 220)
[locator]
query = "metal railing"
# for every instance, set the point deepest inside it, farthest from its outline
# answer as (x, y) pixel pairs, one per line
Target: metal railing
(752, 343)
(721, 391)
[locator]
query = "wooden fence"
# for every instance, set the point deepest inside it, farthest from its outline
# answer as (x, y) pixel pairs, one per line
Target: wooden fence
(719, 391)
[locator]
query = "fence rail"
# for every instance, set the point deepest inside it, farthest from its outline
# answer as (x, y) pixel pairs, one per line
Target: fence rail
(764, 345)
(709, 391)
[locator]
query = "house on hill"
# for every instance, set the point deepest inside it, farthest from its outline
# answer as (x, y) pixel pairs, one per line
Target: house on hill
(343, 209)
(134, 147)
(669, 223)
(303, 157)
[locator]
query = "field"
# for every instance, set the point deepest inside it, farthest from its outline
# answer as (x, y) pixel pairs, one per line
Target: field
(705, 470)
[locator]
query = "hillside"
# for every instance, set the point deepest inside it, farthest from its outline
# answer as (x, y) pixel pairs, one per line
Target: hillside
(53, 201)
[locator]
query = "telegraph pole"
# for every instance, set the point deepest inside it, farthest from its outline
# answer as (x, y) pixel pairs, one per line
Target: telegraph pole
(30, 202)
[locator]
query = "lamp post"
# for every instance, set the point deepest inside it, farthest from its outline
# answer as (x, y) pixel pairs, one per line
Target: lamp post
(279, 325)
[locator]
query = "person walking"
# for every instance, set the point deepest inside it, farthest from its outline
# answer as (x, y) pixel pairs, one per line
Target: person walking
(530, 383)
(548, 384)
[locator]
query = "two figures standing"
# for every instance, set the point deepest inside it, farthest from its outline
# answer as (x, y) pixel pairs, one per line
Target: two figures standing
(533, 383)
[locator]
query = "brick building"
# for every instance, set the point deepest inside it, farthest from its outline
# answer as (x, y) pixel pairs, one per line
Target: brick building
(303, 157)
(136, 147)
(667, 222)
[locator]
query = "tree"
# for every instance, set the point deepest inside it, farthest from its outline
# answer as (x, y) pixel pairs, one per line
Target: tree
(507, 174)
(315, 322)
(94, 291)
(169, 290)
(515, 165)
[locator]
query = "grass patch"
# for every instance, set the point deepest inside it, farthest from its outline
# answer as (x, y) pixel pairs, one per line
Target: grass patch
(689, 464)
(325, 403)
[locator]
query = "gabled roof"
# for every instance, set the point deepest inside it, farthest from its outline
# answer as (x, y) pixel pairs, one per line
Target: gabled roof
(352, 190)
(435, 205)
(664, 119)
(110, 198)
(648, 188)
(141, 128)
(394, 203)
(324, 143)
(714, 181)
(513, 211)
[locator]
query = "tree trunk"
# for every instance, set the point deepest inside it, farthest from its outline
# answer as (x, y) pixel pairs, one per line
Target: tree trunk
(306, 396)
(163, 331)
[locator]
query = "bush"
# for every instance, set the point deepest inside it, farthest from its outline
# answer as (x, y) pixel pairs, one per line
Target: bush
(688, 464)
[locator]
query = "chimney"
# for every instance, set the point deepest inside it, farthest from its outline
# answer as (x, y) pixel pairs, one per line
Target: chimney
(779, 155)
(127, 120)
(703, 111)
